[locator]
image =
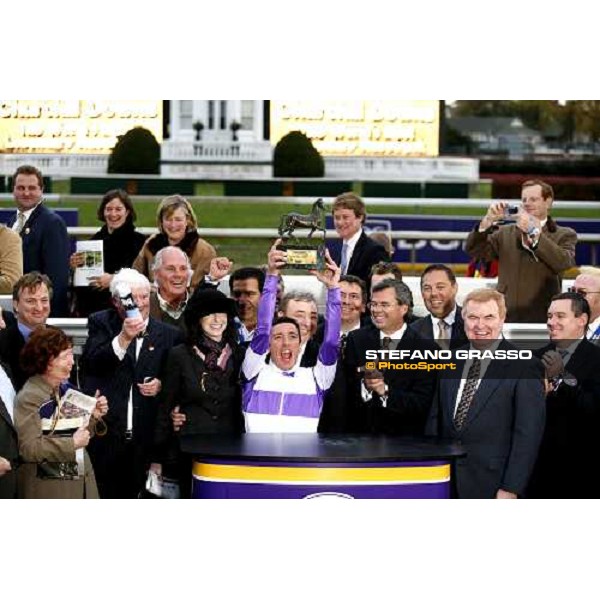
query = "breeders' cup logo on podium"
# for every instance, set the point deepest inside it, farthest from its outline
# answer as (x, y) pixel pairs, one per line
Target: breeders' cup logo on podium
(328, 496)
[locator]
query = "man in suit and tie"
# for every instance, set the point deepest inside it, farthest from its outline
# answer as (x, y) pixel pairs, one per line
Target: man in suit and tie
(9, 445)
(44, 235)
(358, 252)
(334, 416)
(444, 324)
(124, 357)
(32, 295)
(568, 456)
(390, 402)
(495, 408)
(587, 283)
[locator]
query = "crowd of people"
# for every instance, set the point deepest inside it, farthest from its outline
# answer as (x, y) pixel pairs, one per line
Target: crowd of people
(167, 354)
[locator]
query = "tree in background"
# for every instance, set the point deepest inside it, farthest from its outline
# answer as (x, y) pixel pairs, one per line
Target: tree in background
(136, 152)
(577, 120)
(295, 156)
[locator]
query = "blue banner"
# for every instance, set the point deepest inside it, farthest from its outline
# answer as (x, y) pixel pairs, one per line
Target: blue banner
(452, 251)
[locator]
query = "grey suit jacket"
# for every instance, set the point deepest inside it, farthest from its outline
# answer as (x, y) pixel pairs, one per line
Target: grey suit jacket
(503, 429)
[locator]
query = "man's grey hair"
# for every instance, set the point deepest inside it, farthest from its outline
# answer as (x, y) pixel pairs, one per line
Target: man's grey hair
(131, 277)
(401, 290)
(298, 296)
(159, 259)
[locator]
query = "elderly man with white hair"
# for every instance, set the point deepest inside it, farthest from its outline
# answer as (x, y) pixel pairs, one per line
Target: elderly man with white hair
(124, 358)
(172, 276)
(587, 284)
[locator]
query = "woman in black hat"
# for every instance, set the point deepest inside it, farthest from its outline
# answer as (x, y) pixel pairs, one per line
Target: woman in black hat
(203, 380)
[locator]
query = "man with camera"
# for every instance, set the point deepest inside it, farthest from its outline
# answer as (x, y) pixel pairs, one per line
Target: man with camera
(532, 251)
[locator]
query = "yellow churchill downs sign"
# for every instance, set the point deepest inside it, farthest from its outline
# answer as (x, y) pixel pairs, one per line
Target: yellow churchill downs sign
(399, 128)
(73, 126)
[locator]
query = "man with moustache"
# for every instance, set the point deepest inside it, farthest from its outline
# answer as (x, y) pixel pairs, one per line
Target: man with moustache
(444, 324)
(568, 454)
(494, 408)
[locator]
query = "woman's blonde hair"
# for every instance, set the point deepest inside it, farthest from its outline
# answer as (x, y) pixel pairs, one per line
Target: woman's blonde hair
(169, 205)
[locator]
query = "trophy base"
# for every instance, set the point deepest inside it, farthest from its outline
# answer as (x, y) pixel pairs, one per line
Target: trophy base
(304, 257)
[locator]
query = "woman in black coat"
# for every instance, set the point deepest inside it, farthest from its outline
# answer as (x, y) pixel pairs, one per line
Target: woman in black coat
(121, 244)
(203, 380)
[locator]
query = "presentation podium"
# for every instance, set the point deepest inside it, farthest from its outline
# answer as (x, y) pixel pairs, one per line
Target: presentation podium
(311, 465)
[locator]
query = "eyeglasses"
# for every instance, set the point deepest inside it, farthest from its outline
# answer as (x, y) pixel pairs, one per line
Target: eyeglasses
(382, 305)
(583, 293)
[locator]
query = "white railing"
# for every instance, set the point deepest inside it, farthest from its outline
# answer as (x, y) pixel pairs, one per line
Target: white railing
(57, 164)
(258, 232)
(440, 169)
(221, 151)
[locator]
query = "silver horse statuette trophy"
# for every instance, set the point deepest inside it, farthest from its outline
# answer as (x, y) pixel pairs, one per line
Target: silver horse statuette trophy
(311, 254)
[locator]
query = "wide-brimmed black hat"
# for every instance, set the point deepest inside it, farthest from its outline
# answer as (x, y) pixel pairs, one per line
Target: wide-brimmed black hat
(207, 302)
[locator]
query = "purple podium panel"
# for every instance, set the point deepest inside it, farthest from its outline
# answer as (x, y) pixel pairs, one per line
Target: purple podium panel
(311, 465)
(218, 479)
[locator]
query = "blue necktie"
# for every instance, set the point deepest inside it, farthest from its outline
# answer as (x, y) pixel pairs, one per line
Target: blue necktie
(344, 263)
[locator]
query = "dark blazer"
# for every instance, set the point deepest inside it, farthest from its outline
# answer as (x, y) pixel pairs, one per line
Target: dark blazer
(366, 253)
(458, 337)
(121, 247)
(102, 370)
(46, 249)
(569, 451)
(9, 449)
(410, 393)
(503, 428)
(211, 401)
(11, 344)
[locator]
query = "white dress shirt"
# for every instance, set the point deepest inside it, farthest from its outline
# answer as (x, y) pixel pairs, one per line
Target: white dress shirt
(120, 352)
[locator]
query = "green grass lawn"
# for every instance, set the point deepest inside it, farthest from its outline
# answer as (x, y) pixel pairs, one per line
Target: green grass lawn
(249, 251)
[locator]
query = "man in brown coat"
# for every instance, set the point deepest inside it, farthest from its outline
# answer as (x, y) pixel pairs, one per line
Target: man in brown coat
(532, 252)
(11, 259)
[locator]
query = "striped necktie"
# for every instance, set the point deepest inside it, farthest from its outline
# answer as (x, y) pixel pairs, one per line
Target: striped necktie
(468, 394)
(20, 222)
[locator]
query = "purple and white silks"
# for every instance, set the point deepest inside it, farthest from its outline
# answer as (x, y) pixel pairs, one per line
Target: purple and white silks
(279, 401)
